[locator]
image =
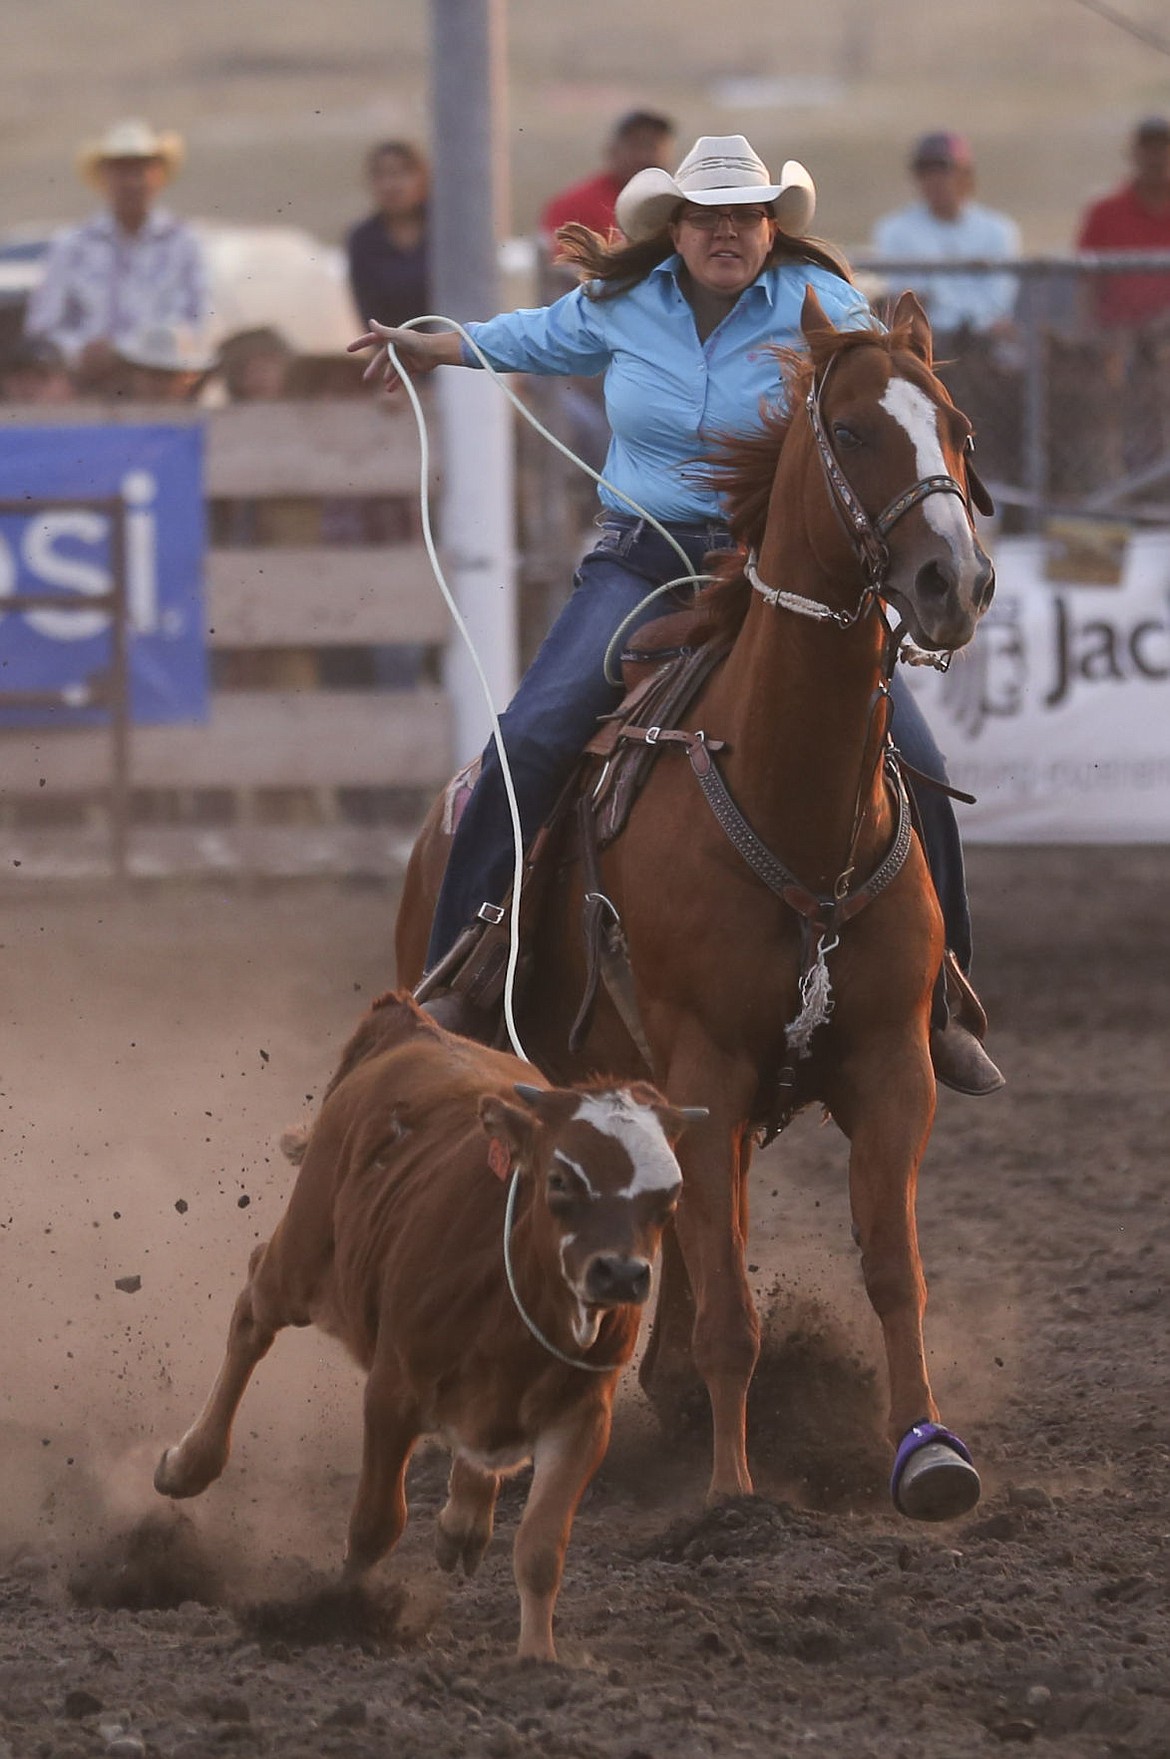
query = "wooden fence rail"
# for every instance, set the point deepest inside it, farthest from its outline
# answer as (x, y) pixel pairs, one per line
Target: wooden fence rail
(286, 464)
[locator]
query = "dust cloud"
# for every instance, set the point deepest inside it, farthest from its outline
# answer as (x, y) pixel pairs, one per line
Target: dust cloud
(155, 1047)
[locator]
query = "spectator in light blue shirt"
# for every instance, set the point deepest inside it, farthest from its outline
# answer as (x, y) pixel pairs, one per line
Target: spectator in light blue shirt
(945, 225)
(682, 320)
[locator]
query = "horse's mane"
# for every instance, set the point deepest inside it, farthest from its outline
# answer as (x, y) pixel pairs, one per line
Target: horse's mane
(743, 469)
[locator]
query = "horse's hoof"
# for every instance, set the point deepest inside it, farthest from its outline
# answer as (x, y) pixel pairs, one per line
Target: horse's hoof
(934, 1478)
(169, 1479)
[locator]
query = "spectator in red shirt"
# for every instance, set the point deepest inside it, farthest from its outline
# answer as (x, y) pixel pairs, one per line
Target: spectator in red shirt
(1134, 217)
(638, 141)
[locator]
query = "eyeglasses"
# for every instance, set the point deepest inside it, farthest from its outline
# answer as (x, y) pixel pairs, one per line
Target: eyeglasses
(739, 219)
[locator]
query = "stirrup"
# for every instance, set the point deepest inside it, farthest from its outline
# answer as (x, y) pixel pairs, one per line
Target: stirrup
(452, 1010)
(473, 962)
(963, 1005)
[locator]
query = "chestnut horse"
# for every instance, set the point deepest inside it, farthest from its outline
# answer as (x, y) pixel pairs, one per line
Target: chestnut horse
(858, 500)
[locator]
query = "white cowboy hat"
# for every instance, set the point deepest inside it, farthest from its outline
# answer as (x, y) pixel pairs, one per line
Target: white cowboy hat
(720, 171)
(130, 140)
(167, 348)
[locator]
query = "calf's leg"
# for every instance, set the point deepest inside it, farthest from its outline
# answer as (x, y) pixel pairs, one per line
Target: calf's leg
(464, 1528)
(391, 1430)
(199, 1458)
(564, 1460)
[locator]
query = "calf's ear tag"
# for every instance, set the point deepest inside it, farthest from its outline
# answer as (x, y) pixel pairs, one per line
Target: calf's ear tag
(499, 1158)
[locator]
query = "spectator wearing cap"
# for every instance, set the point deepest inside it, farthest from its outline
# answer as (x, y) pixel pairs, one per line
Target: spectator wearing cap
(1134, 217)
(946, 225)
(34, 371)
(642, 140)
(128, 267)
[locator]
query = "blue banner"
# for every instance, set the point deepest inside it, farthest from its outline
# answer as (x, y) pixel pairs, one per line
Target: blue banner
(157, 472)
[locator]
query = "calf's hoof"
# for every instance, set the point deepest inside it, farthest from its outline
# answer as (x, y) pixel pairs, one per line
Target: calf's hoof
(934, 1477)
(453, 1551)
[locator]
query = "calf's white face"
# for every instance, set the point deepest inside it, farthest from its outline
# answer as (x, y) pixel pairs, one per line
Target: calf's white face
(610, 1184)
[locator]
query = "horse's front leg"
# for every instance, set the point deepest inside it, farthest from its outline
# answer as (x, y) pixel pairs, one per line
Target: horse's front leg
(887, 1110)
(712, 1233)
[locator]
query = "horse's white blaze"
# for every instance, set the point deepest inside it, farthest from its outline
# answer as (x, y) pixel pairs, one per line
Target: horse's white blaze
(652, 1163)
(917, 416)
(575, 1166)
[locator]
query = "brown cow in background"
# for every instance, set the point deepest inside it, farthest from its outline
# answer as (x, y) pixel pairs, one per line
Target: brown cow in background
(393, 1242)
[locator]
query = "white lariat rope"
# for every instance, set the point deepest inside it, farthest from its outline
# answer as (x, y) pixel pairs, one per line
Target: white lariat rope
(561, 1355)
(461, 626)
(612, 677)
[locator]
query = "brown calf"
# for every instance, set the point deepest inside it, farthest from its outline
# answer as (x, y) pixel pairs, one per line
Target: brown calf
(393, 1242)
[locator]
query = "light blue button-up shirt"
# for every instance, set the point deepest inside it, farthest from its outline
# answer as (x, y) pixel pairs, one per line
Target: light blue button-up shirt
(669, 396)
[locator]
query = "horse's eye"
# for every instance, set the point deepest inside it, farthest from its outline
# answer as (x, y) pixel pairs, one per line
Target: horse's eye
(558, 1184)
(845, 437)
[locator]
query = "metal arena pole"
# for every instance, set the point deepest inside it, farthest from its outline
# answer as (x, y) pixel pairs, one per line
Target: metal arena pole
(468, 219)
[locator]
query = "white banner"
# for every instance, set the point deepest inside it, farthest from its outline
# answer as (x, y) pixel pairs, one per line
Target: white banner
(1057, 717)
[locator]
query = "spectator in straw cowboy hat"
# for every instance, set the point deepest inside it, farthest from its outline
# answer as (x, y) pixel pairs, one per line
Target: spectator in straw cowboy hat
(131, 265)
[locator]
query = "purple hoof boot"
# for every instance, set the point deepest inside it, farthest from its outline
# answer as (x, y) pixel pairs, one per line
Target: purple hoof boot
(934, 1478)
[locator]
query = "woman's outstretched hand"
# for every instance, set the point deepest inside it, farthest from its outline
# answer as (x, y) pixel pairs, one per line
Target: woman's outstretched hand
(418, 353)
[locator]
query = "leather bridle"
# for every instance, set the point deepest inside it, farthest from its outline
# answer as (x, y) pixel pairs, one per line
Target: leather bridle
(868, 536)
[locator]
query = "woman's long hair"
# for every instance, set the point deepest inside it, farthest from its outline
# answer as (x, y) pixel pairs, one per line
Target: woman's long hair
(612, 267)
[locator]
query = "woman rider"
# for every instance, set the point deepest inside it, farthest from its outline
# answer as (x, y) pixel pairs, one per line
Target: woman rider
(679, 316)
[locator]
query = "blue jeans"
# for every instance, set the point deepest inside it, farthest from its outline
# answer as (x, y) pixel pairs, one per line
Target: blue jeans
(554, 714)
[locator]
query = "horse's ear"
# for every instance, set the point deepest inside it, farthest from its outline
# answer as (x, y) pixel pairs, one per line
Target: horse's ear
(909, 311)
(817, 328)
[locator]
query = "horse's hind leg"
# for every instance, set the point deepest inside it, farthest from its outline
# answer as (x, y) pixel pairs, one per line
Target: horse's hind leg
(888, 1130)
(199, 1458)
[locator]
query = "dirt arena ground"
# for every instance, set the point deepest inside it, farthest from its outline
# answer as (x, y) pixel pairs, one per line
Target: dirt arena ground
(154, 1047)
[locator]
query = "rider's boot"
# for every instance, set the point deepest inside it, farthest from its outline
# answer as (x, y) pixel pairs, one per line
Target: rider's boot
(956, 1050)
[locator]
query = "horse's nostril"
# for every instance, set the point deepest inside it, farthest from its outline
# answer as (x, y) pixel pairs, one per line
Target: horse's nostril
(934, 580)
(984, 588)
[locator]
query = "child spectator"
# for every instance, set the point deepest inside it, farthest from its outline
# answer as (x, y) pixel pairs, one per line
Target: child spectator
(34, 371)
